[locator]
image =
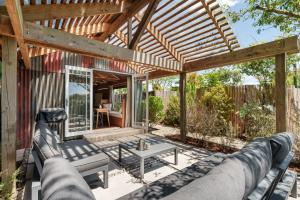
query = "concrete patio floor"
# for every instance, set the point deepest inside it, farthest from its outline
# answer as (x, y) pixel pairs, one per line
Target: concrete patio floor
(123, 177)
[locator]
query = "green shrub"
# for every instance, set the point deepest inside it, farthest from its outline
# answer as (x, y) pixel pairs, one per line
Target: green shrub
(216, 99)
(172, 113)
(259, 122)
(156, 107)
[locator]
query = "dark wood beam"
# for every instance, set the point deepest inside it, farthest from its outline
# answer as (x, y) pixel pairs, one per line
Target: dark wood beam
(16, 18)
(287, 45)
(129, 31)
(182, 92)
(135, 7)
(280, 93)
(8, 107)
(52, 38)
(59, 11)
(143, 24)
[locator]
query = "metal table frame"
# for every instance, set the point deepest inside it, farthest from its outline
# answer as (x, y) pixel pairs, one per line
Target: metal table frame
(154, 150)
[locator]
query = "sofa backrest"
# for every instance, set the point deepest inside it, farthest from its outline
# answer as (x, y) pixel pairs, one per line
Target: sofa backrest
(256, 158)
(51, 115)
(63, 184)
(281, 144)
(45, 142)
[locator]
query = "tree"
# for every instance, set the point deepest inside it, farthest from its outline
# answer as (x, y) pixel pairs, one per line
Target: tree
(163, 83)
(282, 14)
(264, 69)
(222, 76)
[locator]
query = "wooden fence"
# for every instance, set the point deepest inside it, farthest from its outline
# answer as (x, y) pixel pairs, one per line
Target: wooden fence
(252, 93)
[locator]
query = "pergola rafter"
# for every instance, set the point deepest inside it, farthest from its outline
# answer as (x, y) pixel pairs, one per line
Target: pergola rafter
(212, 17)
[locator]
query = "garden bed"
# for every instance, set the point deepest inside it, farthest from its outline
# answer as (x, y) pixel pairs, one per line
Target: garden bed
(210, 146)
(215, 147)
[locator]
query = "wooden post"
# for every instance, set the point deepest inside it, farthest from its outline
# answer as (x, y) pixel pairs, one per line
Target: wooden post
(182, 91)
(129, 30)
(128, 102)
(8, 106)
(280, 93)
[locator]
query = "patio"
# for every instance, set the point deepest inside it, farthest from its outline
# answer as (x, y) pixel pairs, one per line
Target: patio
(162, 177)
(45, 44)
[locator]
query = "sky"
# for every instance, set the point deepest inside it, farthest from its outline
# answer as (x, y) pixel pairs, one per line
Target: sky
(245, 31)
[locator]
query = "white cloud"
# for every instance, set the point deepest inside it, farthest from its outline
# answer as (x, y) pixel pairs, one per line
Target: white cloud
(229, 3)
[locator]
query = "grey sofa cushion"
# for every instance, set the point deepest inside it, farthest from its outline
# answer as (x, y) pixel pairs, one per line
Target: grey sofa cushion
(78, 149)
(91, 162)
(45, 142)
(281, 144)
(226, 182)
(58, 184)
(52, 115)
(256, 158)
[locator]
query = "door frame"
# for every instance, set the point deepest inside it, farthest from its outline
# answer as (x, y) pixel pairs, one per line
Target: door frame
(67, 73)
(133, 101)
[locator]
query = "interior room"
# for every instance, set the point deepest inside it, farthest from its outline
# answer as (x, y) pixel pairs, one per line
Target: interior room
(109, 99)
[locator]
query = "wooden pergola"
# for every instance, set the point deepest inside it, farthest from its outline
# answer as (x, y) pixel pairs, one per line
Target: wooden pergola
(159, 37)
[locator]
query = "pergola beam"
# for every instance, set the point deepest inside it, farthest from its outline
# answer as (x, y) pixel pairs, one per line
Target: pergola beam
(52, 38)
(158, 36)
(59, 11)
(122, 19)
(16, 18)
(287, 45)
(88, 29)
(212, 17)
(143, 24)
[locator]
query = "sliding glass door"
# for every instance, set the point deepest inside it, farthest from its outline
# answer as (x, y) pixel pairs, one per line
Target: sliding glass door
(140, 101)
(78, 100)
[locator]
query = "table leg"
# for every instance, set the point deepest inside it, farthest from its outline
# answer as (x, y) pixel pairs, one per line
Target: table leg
(142, 168)
(120, 154)
(108, 119)
(176, 156)
(97, 120)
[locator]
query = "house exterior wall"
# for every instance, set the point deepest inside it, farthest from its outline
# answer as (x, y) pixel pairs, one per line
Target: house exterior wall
(44, 86)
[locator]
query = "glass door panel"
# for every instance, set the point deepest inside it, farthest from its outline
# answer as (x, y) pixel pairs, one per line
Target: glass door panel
(140, 101)
(78, 100)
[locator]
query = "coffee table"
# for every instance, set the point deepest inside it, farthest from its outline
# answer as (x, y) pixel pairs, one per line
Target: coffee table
(155, 149)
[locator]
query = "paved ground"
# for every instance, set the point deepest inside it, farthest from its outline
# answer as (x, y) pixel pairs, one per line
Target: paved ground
(124, 180)
(123, 177)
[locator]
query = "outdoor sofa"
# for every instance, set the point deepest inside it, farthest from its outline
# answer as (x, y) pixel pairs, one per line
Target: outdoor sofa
(85, 157)
(257, 171)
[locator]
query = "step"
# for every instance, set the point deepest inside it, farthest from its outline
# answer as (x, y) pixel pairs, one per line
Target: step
(111, 134)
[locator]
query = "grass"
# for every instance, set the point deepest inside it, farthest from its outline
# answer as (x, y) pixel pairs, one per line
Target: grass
(8, 185)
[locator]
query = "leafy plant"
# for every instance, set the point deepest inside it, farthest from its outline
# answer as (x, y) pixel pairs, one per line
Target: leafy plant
(259, 122)
(155, 109)
(282, 14)
(7, 184)
(217, 100)
(172, 113)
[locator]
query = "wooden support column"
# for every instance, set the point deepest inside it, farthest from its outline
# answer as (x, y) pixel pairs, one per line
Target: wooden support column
(182, 91)
(280, 93)
(128, 102)
(129, 30)
(8, 106)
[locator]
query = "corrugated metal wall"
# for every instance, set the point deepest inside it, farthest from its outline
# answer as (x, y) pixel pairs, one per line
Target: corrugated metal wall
(44, 84)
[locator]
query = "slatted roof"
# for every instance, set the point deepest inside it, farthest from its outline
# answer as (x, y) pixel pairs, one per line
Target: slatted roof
(179, 30)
